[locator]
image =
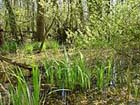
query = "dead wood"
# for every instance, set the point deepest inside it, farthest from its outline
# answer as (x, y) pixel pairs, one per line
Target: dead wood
(10, 61)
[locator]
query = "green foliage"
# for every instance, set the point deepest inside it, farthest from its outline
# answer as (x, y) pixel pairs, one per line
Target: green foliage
(100, 77)
(109, 72)
(36, 85)
(136, 92)
(68, 74)
(51, 44)
(104, 74)
(10, 46)
(28, 48)
(118, 28)
(107, 26)
(21, 94)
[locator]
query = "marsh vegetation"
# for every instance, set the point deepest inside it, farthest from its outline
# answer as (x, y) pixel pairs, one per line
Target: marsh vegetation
(69, 52)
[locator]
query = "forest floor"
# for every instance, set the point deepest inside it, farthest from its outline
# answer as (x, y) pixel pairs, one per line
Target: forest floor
(111, 95)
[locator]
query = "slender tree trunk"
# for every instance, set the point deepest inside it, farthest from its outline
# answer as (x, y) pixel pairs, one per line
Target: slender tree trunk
(113, 2)
(0, 4)
(1, 35)
(28, 13)
(12, 19)
(33, 18)
(85, 10)
(40, 22)
(60, 5)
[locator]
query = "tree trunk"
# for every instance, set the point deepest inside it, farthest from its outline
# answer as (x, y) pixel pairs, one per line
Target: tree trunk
(12, 19)
(33, 18)
(85, 10)
(39, 22)
(0, 4)
(60, 5)
(1, 35)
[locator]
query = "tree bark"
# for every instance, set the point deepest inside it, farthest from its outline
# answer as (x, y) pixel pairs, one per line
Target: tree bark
(12, 19)
(60, 5)
(1, 35)
(40, 26)
(85, 10)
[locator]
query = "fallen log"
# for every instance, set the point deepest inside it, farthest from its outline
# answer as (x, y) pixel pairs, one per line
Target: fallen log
(10, 61)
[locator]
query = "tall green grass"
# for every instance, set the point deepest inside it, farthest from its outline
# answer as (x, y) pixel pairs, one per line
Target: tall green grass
(22, 94)
(100, 77)
(68, 74)
(36, 85)
(104, 74)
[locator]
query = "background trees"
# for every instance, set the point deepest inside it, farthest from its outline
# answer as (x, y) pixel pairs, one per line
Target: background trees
(11, 19)
(88, 21)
